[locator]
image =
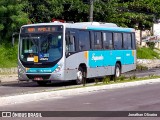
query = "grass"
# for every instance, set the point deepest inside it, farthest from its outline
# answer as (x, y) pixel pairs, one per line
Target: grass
(8, 56)
(133, 78)
(140, 67)
(147, 53)
(123, 79)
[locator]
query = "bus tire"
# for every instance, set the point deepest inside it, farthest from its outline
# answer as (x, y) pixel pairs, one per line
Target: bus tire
(42, 83)
(80, 76)
(117, 72)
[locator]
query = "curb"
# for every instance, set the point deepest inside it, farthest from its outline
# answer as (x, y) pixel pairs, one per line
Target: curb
(10, 100)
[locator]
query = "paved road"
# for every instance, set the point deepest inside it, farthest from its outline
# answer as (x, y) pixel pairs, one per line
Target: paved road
(29, 87)
(138, 98)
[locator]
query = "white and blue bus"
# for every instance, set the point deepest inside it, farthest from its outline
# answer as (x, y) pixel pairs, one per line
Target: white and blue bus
(74, 51)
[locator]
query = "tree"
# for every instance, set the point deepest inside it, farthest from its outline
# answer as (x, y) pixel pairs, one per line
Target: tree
(12, 18)
(78, 10)
(132, 13)
(75, 10)
(104, 10)
(126, 13)
(43, 10)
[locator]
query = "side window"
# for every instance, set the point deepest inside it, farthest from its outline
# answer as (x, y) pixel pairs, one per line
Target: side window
(107, 40)
(127, 41)
(117, 40)
(97, 40)
(84, 40)
(70, 43)
(133, 41)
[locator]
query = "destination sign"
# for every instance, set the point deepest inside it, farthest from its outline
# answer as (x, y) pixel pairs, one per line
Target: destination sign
(41, 29)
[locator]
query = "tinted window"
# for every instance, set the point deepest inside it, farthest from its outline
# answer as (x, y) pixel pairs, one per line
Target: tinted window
(84, 41)
(117, 41)
(107, 40)
(92, 39)
(70, 43)
(47, 47)
(127, 41)
(97, 40)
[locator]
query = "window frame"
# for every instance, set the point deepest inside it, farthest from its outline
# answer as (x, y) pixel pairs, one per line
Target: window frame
(100, 41)
(110, 46)
(121, 47)
(126, 43)
(88, 42)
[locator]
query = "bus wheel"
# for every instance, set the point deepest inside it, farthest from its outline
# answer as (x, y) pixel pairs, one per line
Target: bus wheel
(80, 76)
(42, 83)
(117, 71)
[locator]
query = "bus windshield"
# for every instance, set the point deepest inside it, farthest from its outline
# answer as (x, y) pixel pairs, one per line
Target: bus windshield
(40, 47)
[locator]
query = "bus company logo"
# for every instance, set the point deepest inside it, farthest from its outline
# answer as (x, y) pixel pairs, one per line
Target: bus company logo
(95, 58)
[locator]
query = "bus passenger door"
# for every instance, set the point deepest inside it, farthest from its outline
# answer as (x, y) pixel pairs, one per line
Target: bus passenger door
(71, 43)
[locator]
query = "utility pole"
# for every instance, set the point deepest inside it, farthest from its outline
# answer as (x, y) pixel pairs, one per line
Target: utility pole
(91, 10)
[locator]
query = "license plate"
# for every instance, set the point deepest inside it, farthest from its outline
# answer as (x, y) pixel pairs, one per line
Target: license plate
(38, 78)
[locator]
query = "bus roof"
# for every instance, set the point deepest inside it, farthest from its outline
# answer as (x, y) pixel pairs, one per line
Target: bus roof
(87, 25)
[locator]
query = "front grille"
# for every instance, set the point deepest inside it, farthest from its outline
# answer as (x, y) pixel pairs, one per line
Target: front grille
(45, 77)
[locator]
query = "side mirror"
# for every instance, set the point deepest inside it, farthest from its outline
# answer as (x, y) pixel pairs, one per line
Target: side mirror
(13, 37)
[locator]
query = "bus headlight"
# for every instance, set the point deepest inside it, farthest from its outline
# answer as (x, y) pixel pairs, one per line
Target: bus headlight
(58, 68)
(21, 70)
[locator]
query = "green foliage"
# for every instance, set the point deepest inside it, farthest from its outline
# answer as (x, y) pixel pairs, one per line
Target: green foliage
(147, 53)
(133, 77)
(8, 56)
(132, 13)
(151, 45)
(122, 77)
(43, 10)
(151, 75)
(12, 18)
(74, 11)
(105, 11)
(106, 80)
(127, 13)
(141, 67)
(96, 81)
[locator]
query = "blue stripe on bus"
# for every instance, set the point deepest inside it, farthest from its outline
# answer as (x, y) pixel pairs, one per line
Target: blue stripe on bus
(118, 29)
(42, 70)
(110, 57)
